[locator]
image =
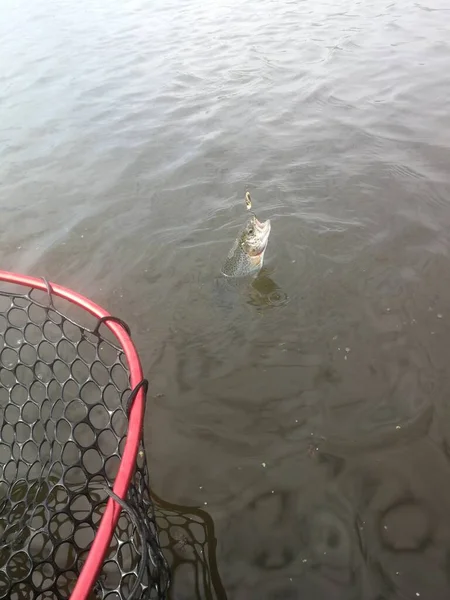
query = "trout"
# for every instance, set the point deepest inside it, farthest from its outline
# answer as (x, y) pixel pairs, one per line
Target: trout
(247, 253)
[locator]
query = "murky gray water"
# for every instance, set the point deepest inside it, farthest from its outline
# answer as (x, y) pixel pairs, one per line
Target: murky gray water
(308, 413)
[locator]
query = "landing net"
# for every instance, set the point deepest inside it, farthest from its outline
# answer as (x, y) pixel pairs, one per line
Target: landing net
(76, 516)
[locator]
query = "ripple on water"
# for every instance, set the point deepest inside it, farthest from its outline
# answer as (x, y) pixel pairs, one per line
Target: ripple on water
(130, 135)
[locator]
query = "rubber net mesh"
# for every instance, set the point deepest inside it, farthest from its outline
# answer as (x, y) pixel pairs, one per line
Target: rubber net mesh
(188, 539)
(64, 394)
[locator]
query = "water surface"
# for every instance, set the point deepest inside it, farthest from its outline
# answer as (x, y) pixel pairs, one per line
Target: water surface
(308, 413)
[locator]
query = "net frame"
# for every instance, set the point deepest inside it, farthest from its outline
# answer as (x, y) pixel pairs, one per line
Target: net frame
(116, 502)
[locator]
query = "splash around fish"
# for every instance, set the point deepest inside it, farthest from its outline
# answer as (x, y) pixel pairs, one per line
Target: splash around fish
(246, 256)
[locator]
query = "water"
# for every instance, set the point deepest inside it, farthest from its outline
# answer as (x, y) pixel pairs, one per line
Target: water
(307, 413)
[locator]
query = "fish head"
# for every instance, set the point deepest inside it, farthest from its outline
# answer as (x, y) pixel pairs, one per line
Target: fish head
(246, 256)
(255, 238)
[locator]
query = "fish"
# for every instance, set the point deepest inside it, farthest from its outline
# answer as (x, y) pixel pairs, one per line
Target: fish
(246, 255)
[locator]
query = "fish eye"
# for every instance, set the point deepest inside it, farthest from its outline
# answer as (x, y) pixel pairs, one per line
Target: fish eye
(251, 230)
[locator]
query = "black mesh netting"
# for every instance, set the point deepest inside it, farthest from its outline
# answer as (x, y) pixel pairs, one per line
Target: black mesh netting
(64, 395)
(188, 539)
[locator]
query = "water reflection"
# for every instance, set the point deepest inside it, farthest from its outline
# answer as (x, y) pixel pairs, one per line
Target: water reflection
(294, 545)
(387, 435)
(405, 553)
(264, 292)
(371, 529)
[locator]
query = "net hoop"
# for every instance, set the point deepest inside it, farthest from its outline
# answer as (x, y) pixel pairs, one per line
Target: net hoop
(111, 515)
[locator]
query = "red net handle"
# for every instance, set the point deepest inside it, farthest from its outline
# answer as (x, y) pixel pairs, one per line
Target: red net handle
(109, 520)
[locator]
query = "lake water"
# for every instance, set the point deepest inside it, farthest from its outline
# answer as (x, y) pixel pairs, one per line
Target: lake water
(309, 411)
